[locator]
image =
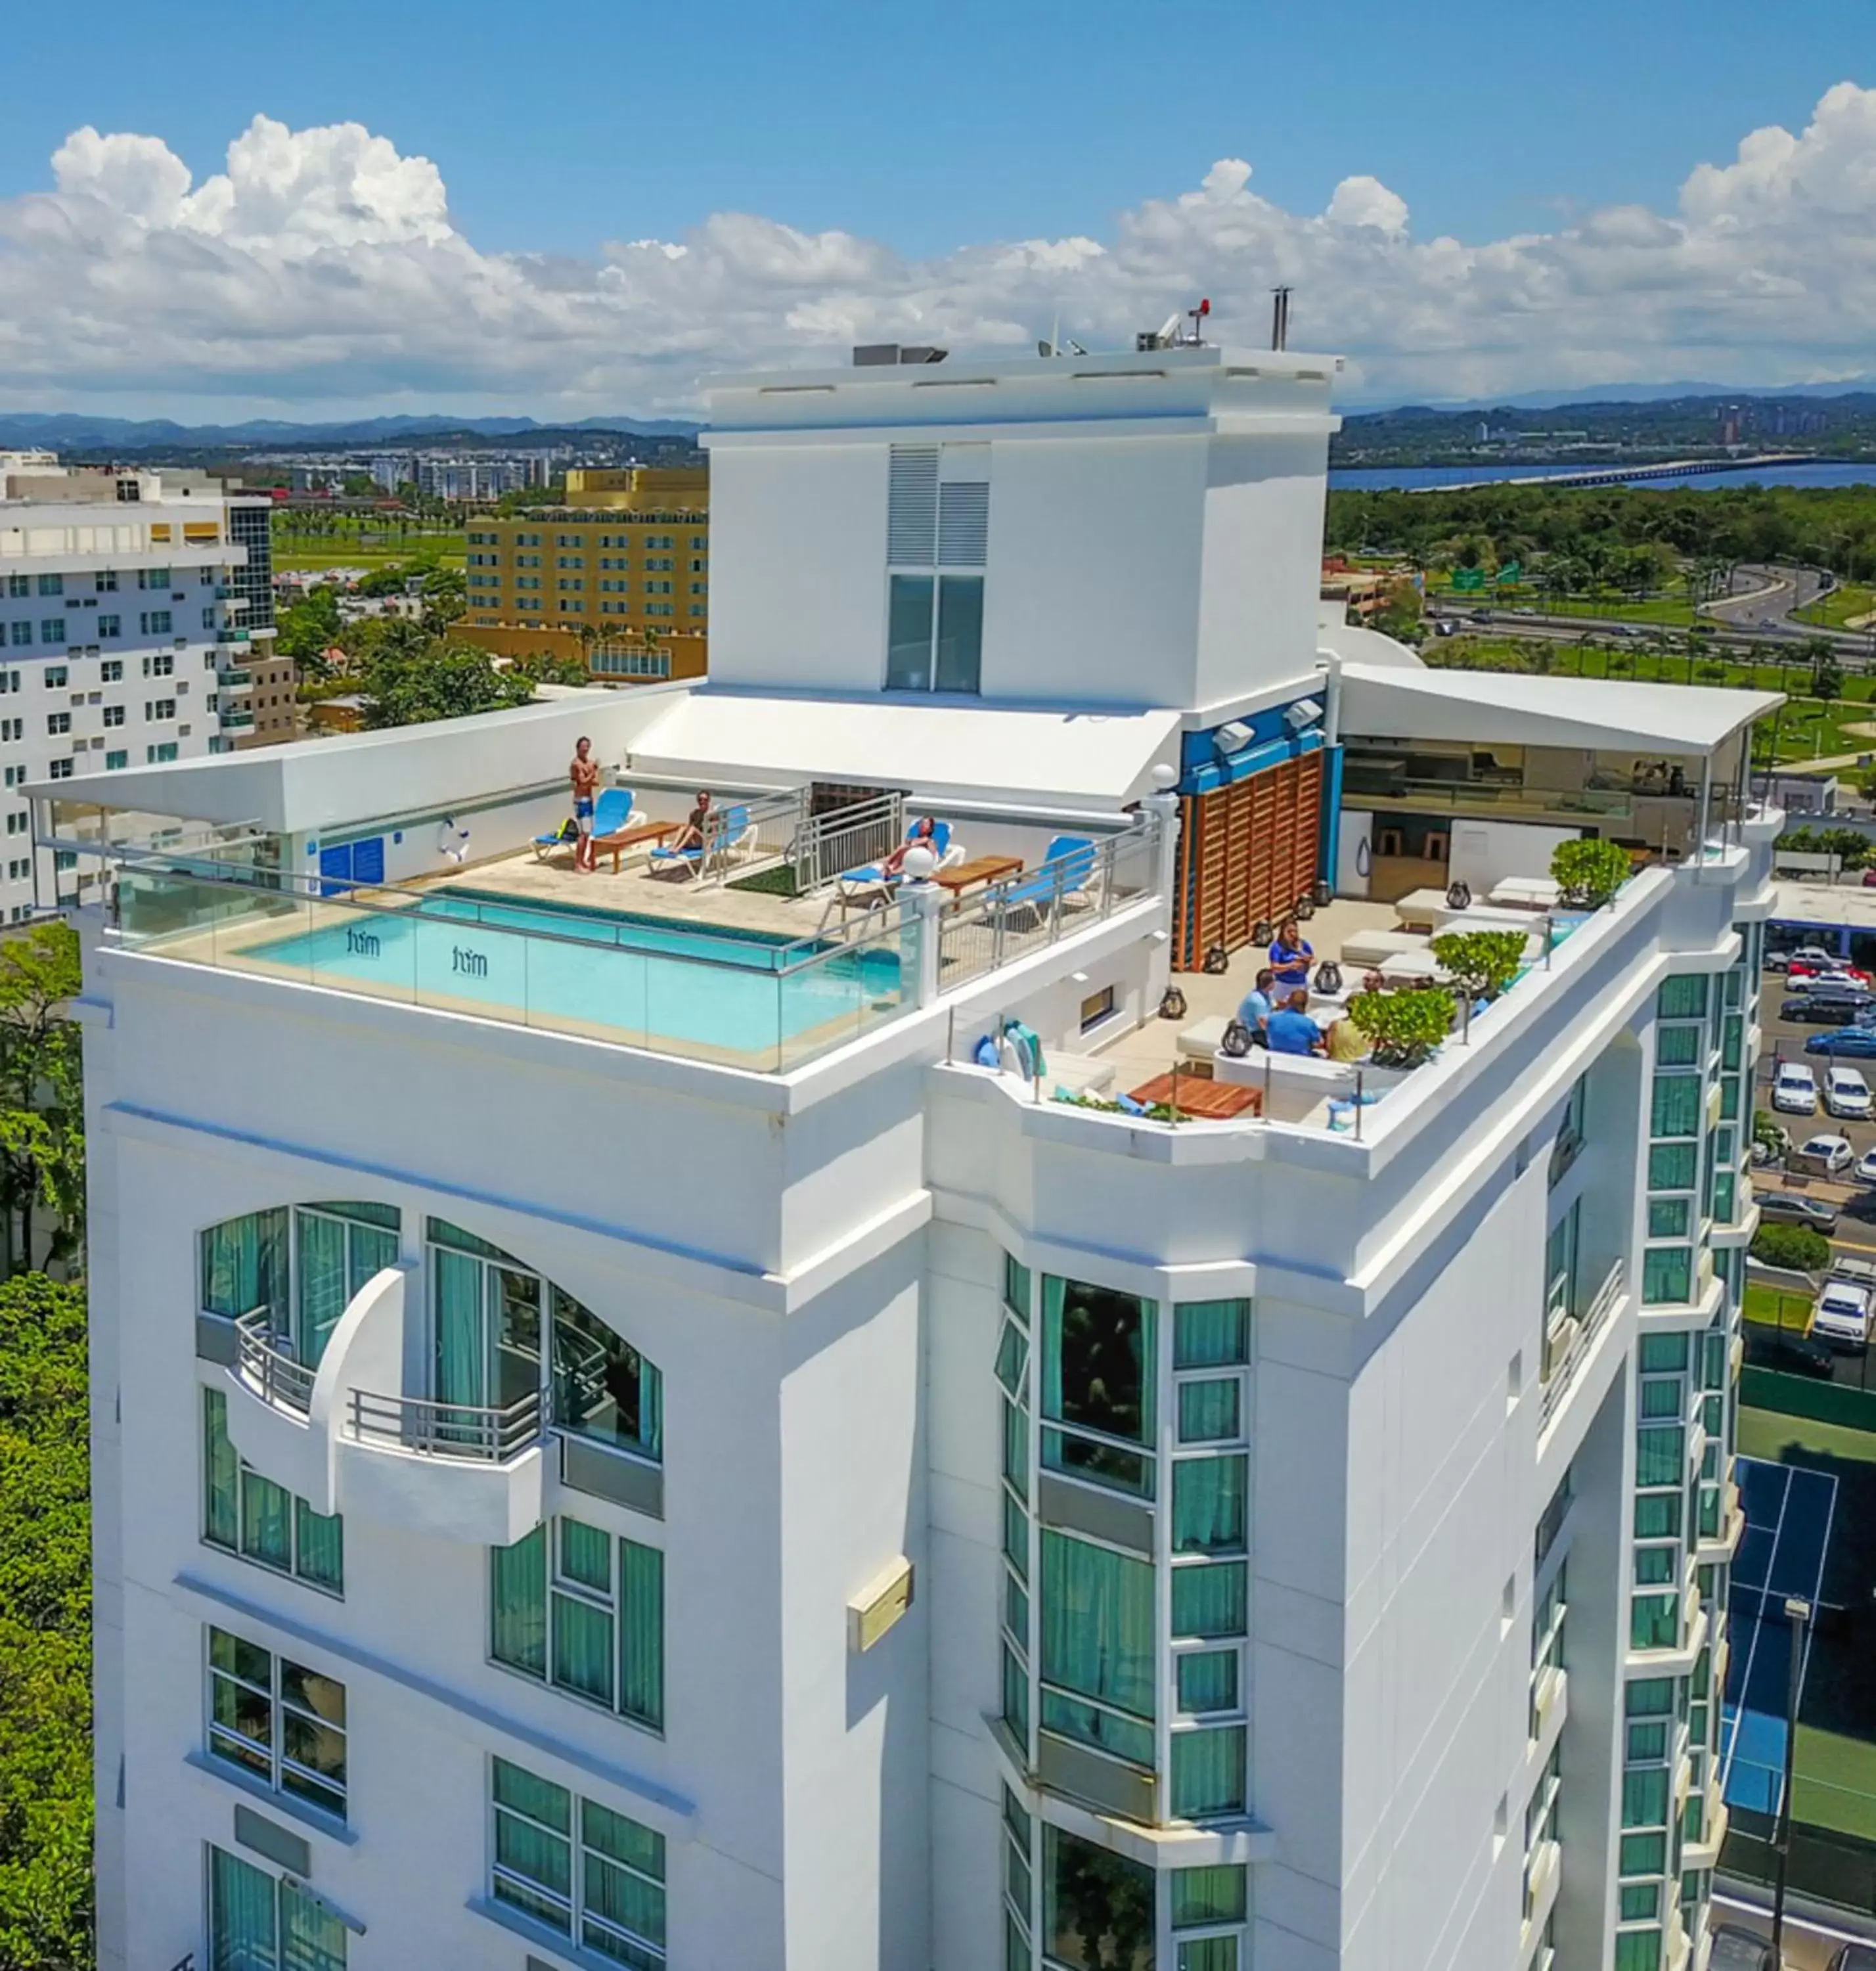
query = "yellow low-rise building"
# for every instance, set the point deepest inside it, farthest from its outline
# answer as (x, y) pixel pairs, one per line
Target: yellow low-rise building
(627, 559)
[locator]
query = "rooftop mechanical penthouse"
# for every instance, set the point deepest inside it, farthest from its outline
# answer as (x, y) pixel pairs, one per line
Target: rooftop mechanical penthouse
(779, 1405)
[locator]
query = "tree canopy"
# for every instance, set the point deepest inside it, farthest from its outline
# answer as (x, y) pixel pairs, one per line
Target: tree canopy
(45, 1630)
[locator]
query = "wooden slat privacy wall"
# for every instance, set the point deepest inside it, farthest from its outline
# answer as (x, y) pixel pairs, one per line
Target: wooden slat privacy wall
(1247, 851)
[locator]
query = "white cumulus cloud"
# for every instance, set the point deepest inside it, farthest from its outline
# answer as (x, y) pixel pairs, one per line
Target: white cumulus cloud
(321, 270)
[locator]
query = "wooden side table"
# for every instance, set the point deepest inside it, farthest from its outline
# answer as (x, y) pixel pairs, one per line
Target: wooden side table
(629, 837)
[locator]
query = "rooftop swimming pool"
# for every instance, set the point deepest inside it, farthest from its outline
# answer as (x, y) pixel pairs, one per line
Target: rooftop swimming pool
(725, 994)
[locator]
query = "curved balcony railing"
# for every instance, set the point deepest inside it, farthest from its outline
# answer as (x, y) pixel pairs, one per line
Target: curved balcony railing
(468, 1431)
(269, 1370)
(1570, 1345)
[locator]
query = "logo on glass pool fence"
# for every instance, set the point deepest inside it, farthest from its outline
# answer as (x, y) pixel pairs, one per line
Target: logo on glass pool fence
(474, 964)
(361, 943)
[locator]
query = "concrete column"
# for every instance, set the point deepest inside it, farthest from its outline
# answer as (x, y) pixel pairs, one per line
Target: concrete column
(922, 901)
(1163, 801)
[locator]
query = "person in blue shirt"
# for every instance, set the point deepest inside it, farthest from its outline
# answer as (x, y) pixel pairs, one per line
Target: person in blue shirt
(1290, 954)
(1292, 1030)
(1254, 1009)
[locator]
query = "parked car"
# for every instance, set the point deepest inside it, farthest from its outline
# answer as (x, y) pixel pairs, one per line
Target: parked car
(1841, 1319)
(1795, 1091)
(1796, 1354)
(1854, 1957)
(1736, 1948)
(1823, 1156)
(1858, 1042)
(1865, 1171)
(1846, 1092)
(1858, 1272)
(1801, 967)
(1836, 978)
(1835, 1007)
(1791, 1208)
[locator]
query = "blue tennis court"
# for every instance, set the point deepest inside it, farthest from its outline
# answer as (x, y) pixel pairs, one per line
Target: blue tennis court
(1790, 1513)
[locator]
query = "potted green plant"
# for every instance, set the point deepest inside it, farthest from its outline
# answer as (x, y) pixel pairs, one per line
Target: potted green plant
(1589, 872)
(1402, 1028)
(1481, 962)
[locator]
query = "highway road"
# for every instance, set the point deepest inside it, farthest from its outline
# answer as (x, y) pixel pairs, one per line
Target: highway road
(1759, 611)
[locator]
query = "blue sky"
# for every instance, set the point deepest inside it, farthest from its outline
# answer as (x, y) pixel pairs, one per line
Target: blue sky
(557, 129)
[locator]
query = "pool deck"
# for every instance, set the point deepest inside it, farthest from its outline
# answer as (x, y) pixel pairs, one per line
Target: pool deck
(681, 901)
(1151, 1048)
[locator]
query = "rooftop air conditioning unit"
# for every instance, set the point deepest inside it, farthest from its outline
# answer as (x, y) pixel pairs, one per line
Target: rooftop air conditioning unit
(1233, 737)
(1305, 711)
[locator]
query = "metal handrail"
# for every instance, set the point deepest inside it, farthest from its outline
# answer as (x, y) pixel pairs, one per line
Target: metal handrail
(1025, 911)
(271, 1371)
(470, 1431)
(1557, 1383)
(827, 845)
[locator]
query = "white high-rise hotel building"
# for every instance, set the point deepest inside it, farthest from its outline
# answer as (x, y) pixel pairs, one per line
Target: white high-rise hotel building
(618, 1442)
(127, 607)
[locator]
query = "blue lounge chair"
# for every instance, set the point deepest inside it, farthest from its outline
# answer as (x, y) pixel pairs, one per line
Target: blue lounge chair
(1066, 873)
(613, 813)
(738, 832)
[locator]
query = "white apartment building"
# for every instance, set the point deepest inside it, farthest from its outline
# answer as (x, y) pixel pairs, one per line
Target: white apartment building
(633, 1423)
(127, 610)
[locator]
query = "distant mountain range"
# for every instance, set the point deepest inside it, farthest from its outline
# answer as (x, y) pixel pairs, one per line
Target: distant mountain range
(66, 430)
(1634, 407)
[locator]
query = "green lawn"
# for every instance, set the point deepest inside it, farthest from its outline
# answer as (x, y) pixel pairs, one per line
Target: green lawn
(297, 560)
(1834, 1785)
(1775, 1309)
(1766, 1434)
(1834, 610)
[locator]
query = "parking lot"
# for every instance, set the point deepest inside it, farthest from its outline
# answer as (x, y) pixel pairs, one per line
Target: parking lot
(1855, 1203)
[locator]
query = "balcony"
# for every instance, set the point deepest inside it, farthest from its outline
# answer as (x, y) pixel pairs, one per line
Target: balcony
(240, 635)
(232, 679)
(330, 1435)
(1567, 1348)
(233, 719)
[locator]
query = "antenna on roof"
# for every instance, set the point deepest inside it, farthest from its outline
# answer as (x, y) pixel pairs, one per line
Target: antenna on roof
(1280, 318)
(1170, 335)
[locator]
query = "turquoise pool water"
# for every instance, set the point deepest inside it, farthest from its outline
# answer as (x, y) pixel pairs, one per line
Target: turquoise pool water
(712, 990)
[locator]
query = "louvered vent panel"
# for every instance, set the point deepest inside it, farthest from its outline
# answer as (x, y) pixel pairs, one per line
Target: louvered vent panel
(912, 506)
(963, 523)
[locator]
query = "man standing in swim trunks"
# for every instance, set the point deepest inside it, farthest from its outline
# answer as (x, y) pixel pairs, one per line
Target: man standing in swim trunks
(583, 772)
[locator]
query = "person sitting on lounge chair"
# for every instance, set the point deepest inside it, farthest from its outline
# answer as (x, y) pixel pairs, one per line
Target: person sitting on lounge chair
(921, 836)
(691, 836)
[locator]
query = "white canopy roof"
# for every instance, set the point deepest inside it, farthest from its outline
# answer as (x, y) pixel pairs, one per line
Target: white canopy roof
(1041, 759)
(1395, 702)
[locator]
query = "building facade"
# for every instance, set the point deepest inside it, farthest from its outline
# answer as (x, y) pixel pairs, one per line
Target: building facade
(131, 607)
(625, 563)
(673, 1425)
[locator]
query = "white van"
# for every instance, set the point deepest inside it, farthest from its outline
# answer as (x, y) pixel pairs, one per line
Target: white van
(1842, 1315)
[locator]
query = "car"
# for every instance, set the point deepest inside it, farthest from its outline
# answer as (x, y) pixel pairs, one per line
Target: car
(1841, 1317)
(1832, 979)
(1846, 1093)
(1737, 1949)
(1853, 1957)
(1858, 1042)
(1865, 1171)
(1869, 883)
(1792, 1207)
(1796, 1354)
(1795, 1091)
(1811, 963)
(1824, 1156)
(1835, 1007)
(1858, 1272)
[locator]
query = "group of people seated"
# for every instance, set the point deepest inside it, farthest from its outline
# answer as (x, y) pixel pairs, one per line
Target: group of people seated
(1275, 1012)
